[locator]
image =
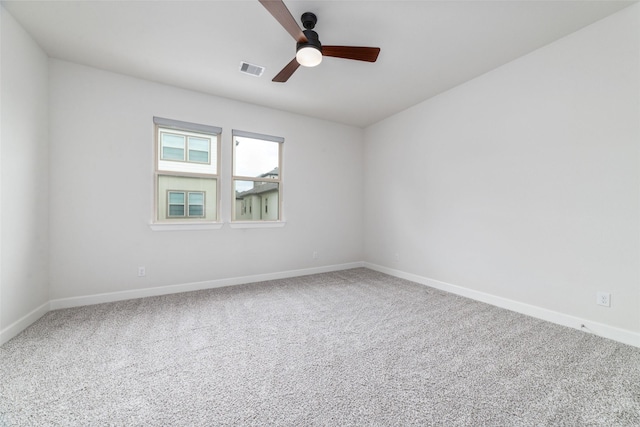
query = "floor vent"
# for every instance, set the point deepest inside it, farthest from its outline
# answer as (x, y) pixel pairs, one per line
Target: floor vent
(254, 70)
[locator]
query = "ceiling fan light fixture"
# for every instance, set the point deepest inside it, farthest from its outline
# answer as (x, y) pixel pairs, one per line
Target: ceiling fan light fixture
(309, 50)
(308, 56)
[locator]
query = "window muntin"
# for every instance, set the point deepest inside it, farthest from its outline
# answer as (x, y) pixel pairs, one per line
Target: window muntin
(257, 174)
(187, 163)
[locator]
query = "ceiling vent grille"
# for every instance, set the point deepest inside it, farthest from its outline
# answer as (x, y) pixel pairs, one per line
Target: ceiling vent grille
(254, 70)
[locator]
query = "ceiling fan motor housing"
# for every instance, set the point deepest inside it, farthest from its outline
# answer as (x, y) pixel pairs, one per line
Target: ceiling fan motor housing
(312, 40)
(309, 21)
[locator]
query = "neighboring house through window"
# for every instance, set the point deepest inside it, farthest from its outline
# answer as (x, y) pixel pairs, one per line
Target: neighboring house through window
(186, 177)
(257, 177)
(185, 204)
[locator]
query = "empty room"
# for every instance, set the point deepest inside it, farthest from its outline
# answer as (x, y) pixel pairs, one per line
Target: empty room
(337, 213)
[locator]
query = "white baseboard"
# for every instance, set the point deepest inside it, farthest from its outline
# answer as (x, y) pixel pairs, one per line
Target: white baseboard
(617, 334)
(21, 324)
(606, 331)
(196, 286)
(24, 322)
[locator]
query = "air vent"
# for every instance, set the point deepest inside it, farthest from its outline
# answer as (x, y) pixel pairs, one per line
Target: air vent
(254, 70)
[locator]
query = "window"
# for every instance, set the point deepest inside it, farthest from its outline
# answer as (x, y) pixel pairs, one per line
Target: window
(184, 147)
(186, 176)
(183, 204)
(177, 203)
(257, 177)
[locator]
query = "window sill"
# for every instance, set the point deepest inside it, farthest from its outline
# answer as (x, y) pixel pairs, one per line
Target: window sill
(257, 224)
(178, 226)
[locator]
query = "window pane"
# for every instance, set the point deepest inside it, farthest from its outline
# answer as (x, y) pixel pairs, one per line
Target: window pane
(196, 210)
(256, 158)
(172, 154)
(196, 198)
(172, 140)
(198, 150)
(176, 210)
(172, 146)
(256, 200)
(176, 198)
(186, 163)
(201, 144)
(198, 156)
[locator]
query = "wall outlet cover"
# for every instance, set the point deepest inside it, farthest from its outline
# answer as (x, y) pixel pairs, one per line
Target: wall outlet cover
(603, 298)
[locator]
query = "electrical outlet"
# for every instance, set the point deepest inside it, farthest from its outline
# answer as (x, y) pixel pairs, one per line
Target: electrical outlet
(603, 298)
(397, 257)
(142, 272)
(315, 255)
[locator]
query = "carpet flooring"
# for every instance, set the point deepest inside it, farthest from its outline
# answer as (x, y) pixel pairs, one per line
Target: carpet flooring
(348, 348)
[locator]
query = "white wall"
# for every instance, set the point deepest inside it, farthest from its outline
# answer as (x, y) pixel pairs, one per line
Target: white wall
(24, 233)
(102, 189)
(523, 183)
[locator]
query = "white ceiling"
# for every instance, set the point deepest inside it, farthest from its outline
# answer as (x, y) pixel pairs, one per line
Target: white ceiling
(427, 46)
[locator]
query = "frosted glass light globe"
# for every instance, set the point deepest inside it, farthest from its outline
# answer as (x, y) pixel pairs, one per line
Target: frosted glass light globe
(309, 56)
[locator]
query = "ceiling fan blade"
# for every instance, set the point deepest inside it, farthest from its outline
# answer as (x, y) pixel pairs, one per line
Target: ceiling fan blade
(279, 11)
(286, 72)
(369, 54)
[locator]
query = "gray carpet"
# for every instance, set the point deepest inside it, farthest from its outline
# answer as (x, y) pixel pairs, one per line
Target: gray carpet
(355, 347)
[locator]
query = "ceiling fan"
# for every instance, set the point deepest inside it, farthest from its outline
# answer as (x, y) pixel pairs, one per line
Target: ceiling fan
(309, 50)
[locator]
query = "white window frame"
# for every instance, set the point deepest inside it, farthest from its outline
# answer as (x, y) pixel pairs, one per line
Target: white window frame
(195, 130)
(258, 223)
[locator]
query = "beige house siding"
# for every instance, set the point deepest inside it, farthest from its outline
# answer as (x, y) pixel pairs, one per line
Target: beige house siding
(168, 183)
